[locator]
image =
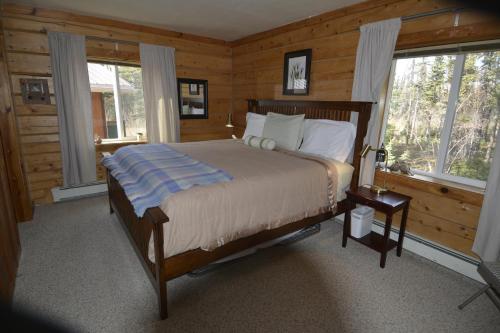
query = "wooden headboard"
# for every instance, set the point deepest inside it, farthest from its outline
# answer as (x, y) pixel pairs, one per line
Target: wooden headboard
(323, 110)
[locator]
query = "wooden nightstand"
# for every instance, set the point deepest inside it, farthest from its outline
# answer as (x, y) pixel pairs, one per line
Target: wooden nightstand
(388, 203)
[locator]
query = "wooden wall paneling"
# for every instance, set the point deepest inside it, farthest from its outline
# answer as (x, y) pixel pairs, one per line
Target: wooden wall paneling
(10, 139)
(29, 64)
(28, 57)
(332, 24)
(10, 210)
(33, 23)
(83, 19)
(441, 213)
(10, 246)
(460, 34)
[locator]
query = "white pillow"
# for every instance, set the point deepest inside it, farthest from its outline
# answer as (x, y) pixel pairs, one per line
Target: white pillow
(287, 131)
(255, 125)
(261, 143)
(328, 138)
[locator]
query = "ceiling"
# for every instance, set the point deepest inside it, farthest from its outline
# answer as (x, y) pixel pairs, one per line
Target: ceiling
(223, 19)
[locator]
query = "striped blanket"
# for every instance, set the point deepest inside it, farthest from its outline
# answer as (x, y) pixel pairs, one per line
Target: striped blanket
(151, 173)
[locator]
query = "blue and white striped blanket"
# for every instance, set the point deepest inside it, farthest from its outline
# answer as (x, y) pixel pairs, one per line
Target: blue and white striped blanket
(151, 173)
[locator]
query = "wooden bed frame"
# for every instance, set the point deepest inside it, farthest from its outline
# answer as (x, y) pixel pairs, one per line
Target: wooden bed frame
(139, 229)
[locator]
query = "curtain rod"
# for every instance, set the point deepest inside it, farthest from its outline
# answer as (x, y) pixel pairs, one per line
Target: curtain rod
(432, 13)
(104, 39)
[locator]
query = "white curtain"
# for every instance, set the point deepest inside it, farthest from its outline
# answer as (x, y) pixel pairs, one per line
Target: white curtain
(373, 62)
(160, 93)
(487, 241)
(74, 108)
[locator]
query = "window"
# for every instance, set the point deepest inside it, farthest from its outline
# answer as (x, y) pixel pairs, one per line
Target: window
(117, 101)
(442, 114)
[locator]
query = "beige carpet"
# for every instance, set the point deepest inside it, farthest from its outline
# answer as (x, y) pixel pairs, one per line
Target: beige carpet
(78, 268)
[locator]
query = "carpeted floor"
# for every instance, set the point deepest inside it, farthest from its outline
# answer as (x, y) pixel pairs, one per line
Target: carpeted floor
(78, 268)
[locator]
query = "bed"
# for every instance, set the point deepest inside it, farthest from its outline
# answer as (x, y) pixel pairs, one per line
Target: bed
(168, 248)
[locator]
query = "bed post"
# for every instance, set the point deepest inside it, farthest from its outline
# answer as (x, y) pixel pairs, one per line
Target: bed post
(111, 211)
(157, 217)
(364, 114)
(252, 103)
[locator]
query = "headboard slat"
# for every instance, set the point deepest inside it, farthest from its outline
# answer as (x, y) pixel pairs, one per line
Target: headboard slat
(332, 110)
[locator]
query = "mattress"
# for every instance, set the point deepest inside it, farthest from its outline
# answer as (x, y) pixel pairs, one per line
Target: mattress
(269, 189)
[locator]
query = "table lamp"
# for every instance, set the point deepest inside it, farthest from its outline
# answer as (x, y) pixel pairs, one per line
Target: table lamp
(381, 155)
(229, 120)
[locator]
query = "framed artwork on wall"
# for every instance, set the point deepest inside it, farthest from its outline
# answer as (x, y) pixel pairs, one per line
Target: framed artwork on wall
(193, 98)
(35, 91)
(296, 72)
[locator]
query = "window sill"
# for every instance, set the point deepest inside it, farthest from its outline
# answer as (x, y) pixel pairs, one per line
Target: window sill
(433, 180)
(123, 142)
(112, 145)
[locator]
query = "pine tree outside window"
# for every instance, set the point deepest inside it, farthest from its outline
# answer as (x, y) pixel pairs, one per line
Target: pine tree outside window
(443, 114)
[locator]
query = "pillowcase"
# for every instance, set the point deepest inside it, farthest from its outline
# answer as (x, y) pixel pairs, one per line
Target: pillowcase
(255, 124)
(328, 138)
(261, 143)
(287, 131)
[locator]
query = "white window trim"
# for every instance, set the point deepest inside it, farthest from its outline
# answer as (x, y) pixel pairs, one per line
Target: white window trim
(444, 139)
(118, 107)
(455, 179)
(120, 129)
(447, 126)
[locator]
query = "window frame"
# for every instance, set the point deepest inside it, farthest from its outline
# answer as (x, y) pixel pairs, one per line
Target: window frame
(117, 99)
(451, 107)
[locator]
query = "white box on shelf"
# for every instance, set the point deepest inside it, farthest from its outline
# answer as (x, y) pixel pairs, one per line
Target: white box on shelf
(361, 221)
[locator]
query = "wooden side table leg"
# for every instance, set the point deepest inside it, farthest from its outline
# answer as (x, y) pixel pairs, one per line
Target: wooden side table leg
(347, 227)
(402, 229)
(387, 232)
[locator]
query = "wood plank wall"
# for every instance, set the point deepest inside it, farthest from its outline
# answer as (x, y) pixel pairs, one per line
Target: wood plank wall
(10, 198)
(9, 137)
(28, 56)
(439, 211)
(333, 37)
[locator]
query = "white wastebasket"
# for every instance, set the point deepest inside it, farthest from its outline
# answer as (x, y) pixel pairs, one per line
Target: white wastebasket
(361, 221)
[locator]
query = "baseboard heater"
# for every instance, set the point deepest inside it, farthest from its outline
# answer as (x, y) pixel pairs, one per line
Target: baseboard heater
(431, 244)
(76, 192)
(441, 255)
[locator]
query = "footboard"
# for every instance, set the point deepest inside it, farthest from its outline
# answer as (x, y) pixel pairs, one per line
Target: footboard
(139, 231)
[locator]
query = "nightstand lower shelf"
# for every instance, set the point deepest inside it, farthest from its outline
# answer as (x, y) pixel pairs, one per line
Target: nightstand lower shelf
(376, 242)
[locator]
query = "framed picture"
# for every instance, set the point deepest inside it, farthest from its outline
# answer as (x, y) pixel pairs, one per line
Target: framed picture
(194, 89)
(193, 104)
(35, 91)
(296, 72)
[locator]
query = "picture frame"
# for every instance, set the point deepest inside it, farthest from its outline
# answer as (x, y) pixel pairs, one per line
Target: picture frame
(35, 91)
(297, 72)
(192, 105)
(194, 89)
